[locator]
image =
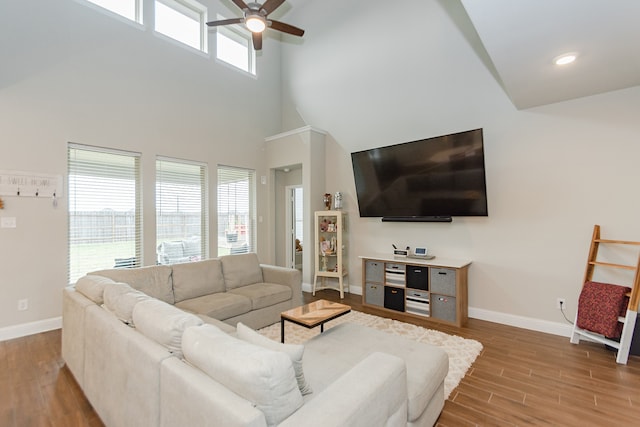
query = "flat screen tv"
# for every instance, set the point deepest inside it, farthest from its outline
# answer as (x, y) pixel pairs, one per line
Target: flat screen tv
(426, 180)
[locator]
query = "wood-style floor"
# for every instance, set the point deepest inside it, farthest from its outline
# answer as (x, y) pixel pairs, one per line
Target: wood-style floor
(521, 378)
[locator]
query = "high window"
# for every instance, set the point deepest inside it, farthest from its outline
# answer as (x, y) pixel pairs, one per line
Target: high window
(105, 220)
(236, 210)
(130, 9)
(181, 211)
(233, 46)
(182, 20)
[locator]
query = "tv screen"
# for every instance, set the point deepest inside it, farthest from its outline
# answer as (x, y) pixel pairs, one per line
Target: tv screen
(442, 176)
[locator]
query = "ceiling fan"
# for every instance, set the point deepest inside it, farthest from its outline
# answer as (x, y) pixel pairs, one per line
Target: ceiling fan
(256, 20)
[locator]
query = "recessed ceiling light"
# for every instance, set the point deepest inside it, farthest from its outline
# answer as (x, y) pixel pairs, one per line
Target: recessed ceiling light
(565, 58)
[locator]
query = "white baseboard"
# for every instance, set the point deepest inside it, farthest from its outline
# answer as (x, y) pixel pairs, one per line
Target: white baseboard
(555, 328)
(24, 329)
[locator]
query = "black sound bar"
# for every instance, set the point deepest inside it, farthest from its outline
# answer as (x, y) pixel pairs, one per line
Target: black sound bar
(440, 218)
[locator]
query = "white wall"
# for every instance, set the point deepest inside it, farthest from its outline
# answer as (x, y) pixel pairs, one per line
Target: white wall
(73, 73)
(390, 72)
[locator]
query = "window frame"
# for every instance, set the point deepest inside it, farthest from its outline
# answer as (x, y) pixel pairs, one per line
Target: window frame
(193, 10)
(138, 10)
(239, 35)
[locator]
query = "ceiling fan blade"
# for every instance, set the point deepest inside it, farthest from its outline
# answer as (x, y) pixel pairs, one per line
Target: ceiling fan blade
(225, 22)
(286, 28)
(271, 5)
(257, 40)
(241, 4)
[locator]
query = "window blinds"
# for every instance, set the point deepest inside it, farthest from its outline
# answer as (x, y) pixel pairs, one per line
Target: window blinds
(105, 220)
(236, 210)
(181, 210)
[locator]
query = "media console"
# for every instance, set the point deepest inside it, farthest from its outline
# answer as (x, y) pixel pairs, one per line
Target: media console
(434, 289)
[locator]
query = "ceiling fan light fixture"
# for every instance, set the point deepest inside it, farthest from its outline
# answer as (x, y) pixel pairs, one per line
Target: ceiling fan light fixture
(256, 23)
(565, 58)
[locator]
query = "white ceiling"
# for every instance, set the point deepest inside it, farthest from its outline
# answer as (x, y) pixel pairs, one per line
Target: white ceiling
(522, 37)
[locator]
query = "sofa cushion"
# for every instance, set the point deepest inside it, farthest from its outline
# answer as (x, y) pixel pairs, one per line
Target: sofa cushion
(163, 323)
(195, 279)
(120, 299)
(294, 351)
(154, 281)
(241, 270)
(264, 377)
(264, 294)
(220, 306)
(92, 287)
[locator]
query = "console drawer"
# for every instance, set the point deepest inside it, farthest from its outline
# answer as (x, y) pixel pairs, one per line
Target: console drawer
(443, 281)
(418, 277)
(443, 307)
(395, 274)
(374, 271)
(394, 298)
(374, 294)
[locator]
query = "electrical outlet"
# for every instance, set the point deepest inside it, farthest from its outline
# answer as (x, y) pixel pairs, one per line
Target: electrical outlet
(560, 303)
(23, 304)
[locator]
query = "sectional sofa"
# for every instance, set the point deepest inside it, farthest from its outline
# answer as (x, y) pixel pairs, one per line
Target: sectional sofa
(158, 350)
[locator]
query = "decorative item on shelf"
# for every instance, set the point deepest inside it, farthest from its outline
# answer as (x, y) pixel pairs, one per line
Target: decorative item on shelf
(298, 246)
(331, 227)
(324, 264)
(327, 201)
(324, 225)
(337, 201)
(325, 247)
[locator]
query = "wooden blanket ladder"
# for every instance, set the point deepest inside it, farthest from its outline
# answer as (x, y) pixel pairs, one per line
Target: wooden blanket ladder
(629, 320)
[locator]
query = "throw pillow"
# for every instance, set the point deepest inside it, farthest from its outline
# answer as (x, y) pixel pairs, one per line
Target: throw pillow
(92, 287)
(294, 351)
(163, 323)
(120, 299)
(263, 377)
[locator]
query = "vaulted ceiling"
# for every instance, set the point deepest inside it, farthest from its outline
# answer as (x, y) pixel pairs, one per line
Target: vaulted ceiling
(520, 40)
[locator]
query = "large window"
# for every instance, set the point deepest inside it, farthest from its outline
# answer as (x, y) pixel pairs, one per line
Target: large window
(181, 211)
(182, 20)
(236, 210)
(130, 9)
(104, 210)
(233, 46)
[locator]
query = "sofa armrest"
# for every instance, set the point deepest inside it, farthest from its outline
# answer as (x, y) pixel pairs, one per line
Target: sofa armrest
(284, 276)
(372, 393)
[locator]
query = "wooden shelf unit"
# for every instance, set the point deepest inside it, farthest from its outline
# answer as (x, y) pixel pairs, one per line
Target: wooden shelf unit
(433, 289)
(330, 226)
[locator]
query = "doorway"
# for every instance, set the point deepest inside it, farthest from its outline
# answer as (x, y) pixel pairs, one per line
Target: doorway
(295, 226)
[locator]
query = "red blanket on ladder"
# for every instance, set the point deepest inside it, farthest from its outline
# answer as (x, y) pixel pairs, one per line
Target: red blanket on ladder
(599, 306)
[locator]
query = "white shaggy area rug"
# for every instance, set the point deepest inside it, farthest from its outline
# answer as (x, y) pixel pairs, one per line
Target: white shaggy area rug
(462, 351)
